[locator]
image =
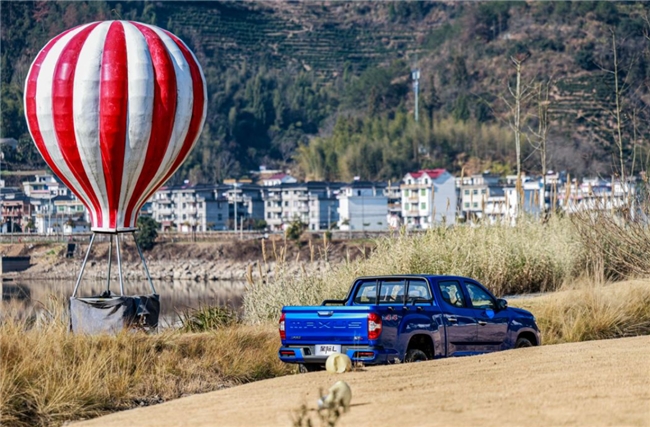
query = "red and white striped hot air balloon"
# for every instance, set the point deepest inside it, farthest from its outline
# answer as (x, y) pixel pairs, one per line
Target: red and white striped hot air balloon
(114, 108)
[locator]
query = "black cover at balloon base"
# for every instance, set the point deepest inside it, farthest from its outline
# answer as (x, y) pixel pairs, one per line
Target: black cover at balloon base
(113, 313)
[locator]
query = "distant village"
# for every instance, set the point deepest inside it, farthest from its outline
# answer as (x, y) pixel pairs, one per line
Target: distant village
(272, 200)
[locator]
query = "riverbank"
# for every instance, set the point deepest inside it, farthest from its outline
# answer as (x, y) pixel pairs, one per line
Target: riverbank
(196, 261)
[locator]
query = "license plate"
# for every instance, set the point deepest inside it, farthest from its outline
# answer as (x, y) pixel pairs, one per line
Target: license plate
(327, 349)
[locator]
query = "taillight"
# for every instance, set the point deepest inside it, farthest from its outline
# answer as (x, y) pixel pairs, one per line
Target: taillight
(283, 332)
(374, 326)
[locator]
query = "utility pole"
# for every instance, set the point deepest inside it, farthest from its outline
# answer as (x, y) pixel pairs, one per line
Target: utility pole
(416, 89)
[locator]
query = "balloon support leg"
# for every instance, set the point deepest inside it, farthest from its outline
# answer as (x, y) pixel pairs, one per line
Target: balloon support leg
(119, 264)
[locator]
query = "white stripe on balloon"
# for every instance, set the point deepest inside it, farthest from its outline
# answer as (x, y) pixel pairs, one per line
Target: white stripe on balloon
(44, 111)
(140, 105)
(182, 119)
(86, 113)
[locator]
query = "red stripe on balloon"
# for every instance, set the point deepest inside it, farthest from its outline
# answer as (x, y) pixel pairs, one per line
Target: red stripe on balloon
(197, 113)
(32, 117)
(63, 117)
(164, 112)
(113, 115)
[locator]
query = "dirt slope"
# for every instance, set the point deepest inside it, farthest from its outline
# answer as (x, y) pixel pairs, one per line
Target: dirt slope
(598, 383)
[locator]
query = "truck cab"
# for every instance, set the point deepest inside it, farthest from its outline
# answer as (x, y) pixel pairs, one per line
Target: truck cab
(389, 319)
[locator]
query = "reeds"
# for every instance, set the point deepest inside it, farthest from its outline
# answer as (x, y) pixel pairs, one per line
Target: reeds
(592, 312)
(531, 257)
(49, 376)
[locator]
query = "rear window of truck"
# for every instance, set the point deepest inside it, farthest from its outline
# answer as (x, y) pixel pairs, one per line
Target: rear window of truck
(391, 291)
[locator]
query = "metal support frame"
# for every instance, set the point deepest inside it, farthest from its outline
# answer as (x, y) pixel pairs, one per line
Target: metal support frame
(119, 264)
(110, 258)
(144, 263)
(83, 266)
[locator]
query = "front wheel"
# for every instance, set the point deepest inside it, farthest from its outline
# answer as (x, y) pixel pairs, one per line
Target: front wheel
(523, 342)
(415, 355)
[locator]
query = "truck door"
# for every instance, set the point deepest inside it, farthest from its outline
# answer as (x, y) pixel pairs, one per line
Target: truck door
(492, 325)
(390, 307)
(458, 317)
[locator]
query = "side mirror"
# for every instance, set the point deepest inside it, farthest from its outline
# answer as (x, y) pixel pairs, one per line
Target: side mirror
(502, 304)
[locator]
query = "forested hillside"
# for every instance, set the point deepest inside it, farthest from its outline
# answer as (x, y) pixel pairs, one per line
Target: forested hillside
(325, 89)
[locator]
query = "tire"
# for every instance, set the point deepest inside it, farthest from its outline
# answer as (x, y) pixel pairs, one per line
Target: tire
(523, 342)
(415, 355)
(305, 368)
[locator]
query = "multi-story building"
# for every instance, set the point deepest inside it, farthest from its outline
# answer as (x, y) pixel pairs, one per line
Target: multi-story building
(363, 206)
(313, 203)
(16, 212)
(394, 198)
(428, 198)
(188, 208)
(245, 203)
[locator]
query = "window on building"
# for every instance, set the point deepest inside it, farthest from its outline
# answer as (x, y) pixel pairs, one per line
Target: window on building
(407, 206)
(268, 215)
(406, 193)
(219, 217)
(467, 192)
(483, 191)
(286, 204)
(426, 181)
(475, 205)
(423, 205)
(184, 216)
(423, 192)
(475, 191)
(408, 182)
(466, 205)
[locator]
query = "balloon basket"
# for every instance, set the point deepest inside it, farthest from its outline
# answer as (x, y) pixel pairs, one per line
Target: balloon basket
(114, 313)
(111, 313)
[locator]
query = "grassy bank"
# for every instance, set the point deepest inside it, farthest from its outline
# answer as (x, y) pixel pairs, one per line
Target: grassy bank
(531, 257)
(591, 312)
(49, 376)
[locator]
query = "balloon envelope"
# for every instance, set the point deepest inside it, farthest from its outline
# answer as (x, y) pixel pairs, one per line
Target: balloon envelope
(114, 108)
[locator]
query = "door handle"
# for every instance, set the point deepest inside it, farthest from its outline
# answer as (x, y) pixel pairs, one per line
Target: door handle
(482, 322)
(452, 319)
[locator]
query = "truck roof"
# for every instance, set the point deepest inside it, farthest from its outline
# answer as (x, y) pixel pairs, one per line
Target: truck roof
(409, 276)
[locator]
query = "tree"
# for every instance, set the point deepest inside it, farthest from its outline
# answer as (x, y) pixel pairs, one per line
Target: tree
(295, 230)
(147, 232)
(539, 143)
(519, 94)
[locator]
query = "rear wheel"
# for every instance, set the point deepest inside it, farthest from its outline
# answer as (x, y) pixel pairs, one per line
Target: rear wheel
(523, 342)
(415, 355)
(310, 367)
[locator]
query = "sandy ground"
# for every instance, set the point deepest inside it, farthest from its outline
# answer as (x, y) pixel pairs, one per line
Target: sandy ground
(598, 383)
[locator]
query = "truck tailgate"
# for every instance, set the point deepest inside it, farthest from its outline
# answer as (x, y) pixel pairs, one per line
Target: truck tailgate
(326, 324)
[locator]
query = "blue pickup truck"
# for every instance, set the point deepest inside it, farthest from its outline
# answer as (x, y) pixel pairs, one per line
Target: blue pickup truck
(389, 319)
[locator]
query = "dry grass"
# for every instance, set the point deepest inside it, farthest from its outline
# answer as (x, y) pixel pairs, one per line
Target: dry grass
(591, 312)
(49, 376)
(531, 257)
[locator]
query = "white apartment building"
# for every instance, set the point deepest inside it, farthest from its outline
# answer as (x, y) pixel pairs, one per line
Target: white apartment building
(190, 208)
(312, 203)
(363, 206)
(428, 198)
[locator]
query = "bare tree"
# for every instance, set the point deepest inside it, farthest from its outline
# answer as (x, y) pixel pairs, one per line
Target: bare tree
(518, 95)
(540, 140)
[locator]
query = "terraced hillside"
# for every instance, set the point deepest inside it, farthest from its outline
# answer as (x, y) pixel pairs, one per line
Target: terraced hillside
(310, 34)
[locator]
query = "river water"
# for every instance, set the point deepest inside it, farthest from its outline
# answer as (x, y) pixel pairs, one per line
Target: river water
(176, 296)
